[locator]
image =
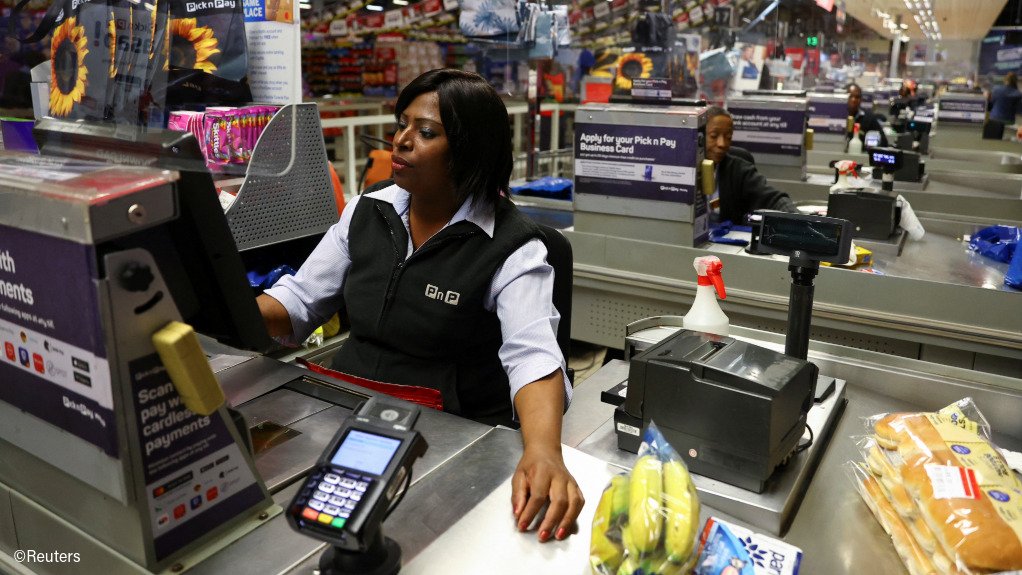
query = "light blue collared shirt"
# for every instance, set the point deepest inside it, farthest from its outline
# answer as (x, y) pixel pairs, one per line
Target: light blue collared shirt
(520, 292)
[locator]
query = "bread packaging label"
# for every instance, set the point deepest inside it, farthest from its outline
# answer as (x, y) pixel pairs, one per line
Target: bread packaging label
(952, 482)
(974, 452)
(953, 414)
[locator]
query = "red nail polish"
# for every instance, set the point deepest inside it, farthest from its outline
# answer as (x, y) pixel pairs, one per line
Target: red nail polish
(562, 533)
(522, 526)
(544, 535)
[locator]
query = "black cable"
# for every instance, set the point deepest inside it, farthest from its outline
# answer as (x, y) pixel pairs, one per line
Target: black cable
(804, 446)
(393, 506)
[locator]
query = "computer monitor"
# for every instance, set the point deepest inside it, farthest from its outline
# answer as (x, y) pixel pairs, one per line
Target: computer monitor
(196, 251)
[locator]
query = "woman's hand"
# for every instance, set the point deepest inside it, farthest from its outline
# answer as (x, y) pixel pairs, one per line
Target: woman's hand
(542, 479)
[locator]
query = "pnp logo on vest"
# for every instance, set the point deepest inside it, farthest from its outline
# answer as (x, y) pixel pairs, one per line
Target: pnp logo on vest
(433, 292)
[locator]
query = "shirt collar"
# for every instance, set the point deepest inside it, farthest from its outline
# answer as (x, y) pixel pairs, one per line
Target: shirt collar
(475, 212)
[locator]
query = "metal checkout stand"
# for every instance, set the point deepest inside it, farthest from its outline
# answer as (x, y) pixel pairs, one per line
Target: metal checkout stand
(100, 459)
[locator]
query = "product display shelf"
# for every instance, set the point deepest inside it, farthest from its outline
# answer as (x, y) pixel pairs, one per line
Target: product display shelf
(287, 193)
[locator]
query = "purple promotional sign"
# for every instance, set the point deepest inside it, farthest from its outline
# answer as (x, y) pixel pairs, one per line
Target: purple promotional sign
(53, 361)
(646, 162)
(190, 462)
(764, 131)
(963, 110)
(828, 117)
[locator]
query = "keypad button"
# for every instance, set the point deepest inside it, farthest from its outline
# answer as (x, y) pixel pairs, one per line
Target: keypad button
(331, 478)
(338, 522)
(317, 504)
(327, 487)
(342, 492)
(348, 482)
(310, 514)
(332, 509)
(324, 518)
(361, 486)
(350, 504)
(344, 513)
(355, 496)
(335, 500)
(319, 495)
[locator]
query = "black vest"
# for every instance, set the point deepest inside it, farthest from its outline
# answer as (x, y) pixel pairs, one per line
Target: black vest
(421, 321)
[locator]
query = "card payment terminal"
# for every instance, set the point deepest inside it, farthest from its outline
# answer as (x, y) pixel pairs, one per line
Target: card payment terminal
(356, 481)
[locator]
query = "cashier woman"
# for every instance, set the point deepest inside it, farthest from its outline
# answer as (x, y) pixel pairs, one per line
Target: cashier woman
(740, 187)
(446, 285)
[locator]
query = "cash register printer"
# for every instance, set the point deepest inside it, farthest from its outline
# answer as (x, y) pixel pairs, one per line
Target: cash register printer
(733, 410)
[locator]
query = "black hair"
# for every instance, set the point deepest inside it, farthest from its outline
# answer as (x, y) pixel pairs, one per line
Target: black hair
(851, 85)
(477, 127)
(714, 111)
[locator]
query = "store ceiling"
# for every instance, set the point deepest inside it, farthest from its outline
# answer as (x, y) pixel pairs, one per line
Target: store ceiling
(958, 19)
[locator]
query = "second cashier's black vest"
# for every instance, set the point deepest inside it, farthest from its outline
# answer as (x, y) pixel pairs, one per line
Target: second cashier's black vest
(421, 321)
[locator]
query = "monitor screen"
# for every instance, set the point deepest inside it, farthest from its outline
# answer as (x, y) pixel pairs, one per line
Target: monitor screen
(366, 452)
(884, 158)
(196, 252)
(817, 237)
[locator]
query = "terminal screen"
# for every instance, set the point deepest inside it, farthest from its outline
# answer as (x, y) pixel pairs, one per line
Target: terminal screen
(366, 452)
(884, 158)
(819, 238)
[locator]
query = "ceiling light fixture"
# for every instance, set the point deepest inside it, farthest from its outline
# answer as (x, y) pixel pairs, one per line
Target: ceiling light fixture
(374, 7)
(400, 2)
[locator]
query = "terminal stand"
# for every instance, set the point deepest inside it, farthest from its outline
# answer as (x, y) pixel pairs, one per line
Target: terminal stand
(381, 557)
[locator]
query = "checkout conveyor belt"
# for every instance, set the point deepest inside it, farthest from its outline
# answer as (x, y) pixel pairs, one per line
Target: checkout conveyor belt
(456, 517)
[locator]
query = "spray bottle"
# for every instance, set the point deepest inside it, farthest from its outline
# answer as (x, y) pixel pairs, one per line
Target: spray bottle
(855, 144)
(706, 315)
(842, 169)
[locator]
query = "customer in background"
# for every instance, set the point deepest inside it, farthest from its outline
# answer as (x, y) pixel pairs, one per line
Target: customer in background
(867, 121)
(446, 285)
(740, 187)
(1004, 100)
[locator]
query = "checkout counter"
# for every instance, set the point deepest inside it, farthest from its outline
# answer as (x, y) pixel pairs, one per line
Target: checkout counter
(96, 490)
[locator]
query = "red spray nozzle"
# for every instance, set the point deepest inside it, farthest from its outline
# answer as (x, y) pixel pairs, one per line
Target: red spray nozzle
(709, 268)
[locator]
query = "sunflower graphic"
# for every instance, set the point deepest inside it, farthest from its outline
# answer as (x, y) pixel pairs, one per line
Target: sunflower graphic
(68, 74)
(631, 66)
(194, 45)
(111, 33)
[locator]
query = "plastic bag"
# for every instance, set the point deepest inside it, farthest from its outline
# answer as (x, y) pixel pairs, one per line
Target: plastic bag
(646, 521)
(996, 242)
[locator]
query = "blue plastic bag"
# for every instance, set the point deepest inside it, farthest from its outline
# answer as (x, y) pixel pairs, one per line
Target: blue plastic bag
(548, 187)
(1013, 277)
(996, 242)
(265, 281)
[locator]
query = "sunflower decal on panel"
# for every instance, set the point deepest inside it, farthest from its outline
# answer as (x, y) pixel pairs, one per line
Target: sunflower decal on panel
(68, 74)
(111, 33)
(192, 46)
(632, 66)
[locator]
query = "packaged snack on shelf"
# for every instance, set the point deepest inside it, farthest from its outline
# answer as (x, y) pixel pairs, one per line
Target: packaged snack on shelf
(226, 135)
(646, 521)
(967, 500)
(728, 548)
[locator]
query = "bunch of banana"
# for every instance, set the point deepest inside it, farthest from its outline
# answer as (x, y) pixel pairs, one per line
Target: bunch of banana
(605, 548)
(645, 517)
(662, 519)
(682, 506)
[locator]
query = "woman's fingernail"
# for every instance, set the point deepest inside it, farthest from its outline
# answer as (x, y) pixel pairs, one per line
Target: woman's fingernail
(562, 533)
(522, 526)
(544, 535)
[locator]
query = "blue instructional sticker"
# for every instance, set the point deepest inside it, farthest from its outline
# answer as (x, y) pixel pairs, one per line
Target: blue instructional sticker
(961, 449)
